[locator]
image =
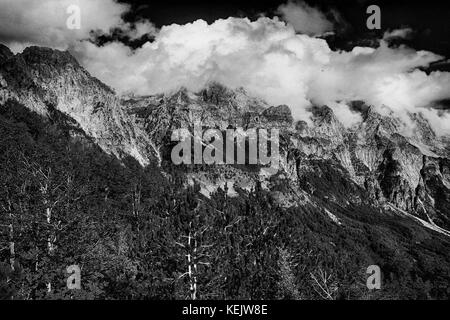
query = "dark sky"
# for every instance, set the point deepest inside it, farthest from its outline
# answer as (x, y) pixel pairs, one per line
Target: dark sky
(429, 19)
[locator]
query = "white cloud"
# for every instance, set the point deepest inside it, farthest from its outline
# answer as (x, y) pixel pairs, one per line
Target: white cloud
(271, 61)
(304, 18)
(403, 33)
(267, 57)
(43, 22)
(345, 115)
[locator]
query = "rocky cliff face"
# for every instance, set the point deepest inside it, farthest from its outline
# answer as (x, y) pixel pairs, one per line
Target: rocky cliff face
(377, 163)
(381, 161)
(43, 79)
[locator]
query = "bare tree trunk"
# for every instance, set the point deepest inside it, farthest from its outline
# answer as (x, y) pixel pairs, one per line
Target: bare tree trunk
(191, 265)
(48, 205)
(12, 252)
(195, 269)
(195, 253)
(51, 238)
(136, 203)
(192, 277)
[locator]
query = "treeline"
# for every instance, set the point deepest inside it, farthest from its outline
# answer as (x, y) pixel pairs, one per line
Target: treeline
(139, 234)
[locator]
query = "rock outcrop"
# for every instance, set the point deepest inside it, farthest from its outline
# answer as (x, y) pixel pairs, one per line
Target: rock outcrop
(42, 79)
(383, 160)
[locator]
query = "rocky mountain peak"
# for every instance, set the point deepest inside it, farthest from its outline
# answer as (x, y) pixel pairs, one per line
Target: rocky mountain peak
(423, 127)
(372, 117)
(322, 114)
(326, 125)
(216, 93)
(53, 57)
(360, 107)
(180, 97)
(44, 80)
(378, 124)
(280, 113)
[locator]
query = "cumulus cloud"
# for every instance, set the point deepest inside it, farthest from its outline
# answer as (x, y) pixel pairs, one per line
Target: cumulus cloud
(267, 57)
(304, 18)
(43, 22)
(270, 60)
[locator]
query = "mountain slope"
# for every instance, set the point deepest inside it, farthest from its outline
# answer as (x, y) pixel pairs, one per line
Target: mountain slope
(379, 157)
(42, 78)
(343, 198)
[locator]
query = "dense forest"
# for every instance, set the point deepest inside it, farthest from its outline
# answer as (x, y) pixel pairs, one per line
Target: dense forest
(136, 232)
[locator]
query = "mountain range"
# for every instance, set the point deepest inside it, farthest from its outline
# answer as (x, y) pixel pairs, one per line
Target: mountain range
(378, 191)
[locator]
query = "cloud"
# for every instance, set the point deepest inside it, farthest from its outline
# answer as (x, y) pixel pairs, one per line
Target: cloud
(43, 22)
(403, 33)
(267, 57)
(270, 60)
(305, 19)
(345, 115)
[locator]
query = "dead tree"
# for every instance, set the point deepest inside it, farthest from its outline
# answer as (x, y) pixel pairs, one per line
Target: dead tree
(136, 199)
(51, 194)
(195, 255)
